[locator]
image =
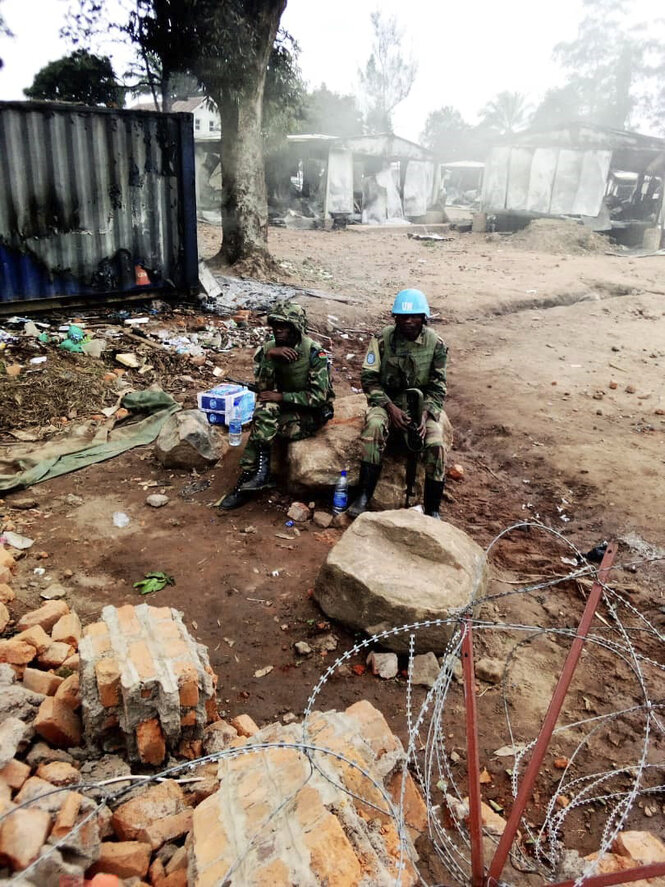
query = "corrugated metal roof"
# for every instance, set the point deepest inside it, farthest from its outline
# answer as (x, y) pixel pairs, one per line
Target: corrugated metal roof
(88, 193)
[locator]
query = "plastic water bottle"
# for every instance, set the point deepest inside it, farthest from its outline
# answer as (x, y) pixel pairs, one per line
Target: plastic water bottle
(341, 494)
(235, 426)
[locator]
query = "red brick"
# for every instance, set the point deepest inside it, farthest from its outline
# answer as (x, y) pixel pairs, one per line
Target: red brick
(14, 773)
(5, 575)
(188, 719)
(107, 672)
(188, 683)
(126, 859)
(150, 742)
(129, 624)
(67, 815)
(178, 862)
(44, 682)
(212, 712)
(167, 631)
(167, 829)
(22, 835)
(72, 662)
(244, 725)
(67, 629)
(100, 638)
(46, 616)
(35, 636)
(5, 617)
(141, 658)
(59, 773)
(57, 723)
(157, 614)
(7, 593)
(190, 749)
(6, 559)
(16, 652)
(69, 692)
(159, 801)
(157, 872)
(56, 653)
(642, 847)
(179, 879)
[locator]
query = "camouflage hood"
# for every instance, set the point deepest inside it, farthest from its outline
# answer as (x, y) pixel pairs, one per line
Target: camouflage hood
(289, 312)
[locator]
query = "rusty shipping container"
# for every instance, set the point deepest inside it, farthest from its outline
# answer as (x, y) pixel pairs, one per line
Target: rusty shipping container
(90, 196)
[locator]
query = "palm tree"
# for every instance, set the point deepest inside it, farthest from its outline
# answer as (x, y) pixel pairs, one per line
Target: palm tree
(506, 112)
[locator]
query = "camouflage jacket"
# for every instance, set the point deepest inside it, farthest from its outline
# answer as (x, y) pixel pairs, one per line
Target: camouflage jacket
(304, 382)
(393, 364)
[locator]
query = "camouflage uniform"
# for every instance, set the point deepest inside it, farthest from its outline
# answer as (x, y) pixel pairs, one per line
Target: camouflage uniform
(305, 384)
(393, 364)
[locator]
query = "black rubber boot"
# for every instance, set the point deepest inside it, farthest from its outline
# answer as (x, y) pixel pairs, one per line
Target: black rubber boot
(260, 479)
(432, 497)
(369, 475)
(235, 498)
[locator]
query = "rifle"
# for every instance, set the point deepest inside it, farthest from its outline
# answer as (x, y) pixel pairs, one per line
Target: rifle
(413, 440)
(251, 386)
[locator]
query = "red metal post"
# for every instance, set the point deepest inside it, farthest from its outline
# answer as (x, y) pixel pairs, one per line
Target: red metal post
(653, 870)
(540, 748)
(472, 759)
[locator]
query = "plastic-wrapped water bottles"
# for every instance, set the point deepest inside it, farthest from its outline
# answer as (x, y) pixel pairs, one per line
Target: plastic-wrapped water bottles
(341, 494)
(235, 426)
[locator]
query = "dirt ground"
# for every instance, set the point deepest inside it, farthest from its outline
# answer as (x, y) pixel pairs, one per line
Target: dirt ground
(556, 396)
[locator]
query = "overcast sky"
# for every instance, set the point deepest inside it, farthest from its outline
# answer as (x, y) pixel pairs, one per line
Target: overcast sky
(466, 52)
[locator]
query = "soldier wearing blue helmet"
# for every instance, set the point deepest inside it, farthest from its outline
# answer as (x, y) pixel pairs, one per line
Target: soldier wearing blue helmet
(407, 358)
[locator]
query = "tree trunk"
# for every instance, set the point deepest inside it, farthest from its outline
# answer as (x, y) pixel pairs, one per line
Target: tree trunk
(244, 203)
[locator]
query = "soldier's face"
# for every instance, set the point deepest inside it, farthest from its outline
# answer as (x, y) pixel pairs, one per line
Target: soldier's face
(410, 325)
(285, 334)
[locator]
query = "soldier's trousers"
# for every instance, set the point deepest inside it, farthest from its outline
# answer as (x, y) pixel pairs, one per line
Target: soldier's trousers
(377, 429)
(272, 420)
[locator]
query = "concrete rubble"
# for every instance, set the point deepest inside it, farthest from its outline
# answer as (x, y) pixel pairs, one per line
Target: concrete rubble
(188, 441)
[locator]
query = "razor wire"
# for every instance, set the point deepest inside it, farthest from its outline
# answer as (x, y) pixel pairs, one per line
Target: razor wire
(426, 754)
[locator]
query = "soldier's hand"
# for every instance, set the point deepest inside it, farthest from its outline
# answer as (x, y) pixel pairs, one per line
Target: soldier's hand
(282, 352)
(422, 428)
(270, 397)
(398, 417)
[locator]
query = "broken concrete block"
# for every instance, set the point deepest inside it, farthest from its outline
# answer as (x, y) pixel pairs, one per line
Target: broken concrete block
(143, 671)
(384, 665)
(425, 670)
(46, 616)
(58, 724)
(133, 817)
(59, 773)
(14, 773)
(188, 441)
(19, 702)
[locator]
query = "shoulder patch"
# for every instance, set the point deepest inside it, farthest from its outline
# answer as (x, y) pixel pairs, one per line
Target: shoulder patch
(370, 359)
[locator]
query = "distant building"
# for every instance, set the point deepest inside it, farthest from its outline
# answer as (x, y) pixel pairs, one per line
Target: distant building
(207, 122)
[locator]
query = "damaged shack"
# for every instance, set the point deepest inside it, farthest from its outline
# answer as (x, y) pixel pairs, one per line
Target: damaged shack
(373, 179)
(609, 179)
(95, 202)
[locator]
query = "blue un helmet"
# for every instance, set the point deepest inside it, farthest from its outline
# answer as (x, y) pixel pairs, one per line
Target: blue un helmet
(411, 301)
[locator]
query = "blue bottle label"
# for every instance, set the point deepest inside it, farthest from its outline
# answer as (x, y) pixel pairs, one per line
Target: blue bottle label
(340, 498)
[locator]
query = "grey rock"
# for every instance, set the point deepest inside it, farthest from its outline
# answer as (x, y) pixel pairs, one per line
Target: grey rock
(425, 670)
(289, 718)
(322, 519)
(302, 648)
(490, 670)
(54, 591)
(324, 643)
(396, 567)
(107, 767)
(188, 441)
(384, 665)
(217, 737)
(12, 733)
(41, 753)
(157, 500)
(51, 870)
(16, 700)
(7, 675)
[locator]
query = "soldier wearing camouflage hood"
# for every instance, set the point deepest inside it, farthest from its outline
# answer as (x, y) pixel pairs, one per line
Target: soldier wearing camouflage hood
(294, 396)
(406, 359)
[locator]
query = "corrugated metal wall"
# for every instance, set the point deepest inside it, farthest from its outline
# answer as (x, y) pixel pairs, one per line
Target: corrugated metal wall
(86, 194)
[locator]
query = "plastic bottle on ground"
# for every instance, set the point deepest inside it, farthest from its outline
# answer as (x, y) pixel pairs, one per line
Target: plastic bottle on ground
(235, 426)
(341, 494)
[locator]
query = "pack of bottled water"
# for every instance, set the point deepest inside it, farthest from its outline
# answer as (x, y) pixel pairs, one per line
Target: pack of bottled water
(225, 400)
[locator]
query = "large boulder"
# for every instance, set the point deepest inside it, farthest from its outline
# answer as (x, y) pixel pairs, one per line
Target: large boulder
(315, 463)
(187, 440)
(396, 567)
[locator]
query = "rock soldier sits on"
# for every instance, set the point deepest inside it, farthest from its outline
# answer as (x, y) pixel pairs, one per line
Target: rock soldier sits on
(404, 364)
(294, 396)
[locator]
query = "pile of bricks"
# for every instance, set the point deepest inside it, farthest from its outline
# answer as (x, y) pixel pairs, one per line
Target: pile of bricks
(147, 686)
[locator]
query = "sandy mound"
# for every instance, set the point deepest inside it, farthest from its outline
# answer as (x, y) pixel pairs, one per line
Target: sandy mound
(559, 236)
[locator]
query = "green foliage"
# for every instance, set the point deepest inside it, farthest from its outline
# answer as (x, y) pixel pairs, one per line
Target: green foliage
(4, 31)
(505, 113)
(284, 97)
(80, 77)
(331, 114)
(615, 70)
(388, 75)
(448, 135)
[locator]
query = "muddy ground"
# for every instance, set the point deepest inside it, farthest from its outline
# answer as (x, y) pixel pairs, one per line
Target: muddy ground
(556, 396)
